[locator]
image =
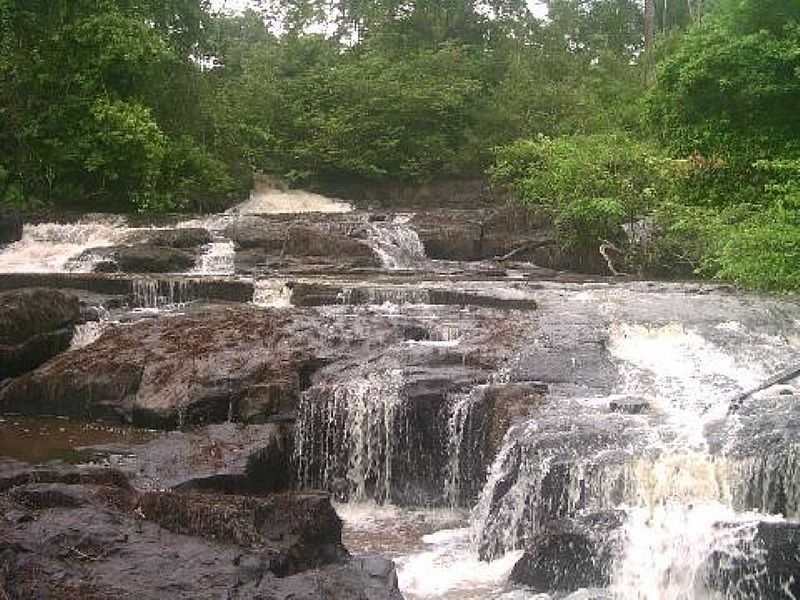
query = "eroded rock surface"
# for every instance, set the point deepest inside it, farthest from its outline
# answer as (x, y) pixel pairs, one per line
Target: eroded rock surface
(35, 325)
(10, 228)
(88, 535)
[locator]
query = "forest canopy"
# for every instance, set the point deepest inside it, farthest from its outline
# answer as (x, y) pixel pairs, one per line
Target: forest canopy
(679, 117)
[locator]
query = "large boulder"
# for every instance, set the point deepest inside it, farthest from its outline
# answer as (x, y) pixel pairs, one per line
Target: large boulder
(10, 228)
(89, 535)
(262, 240)
(140, 259)
(301, 531)
(35, 325)
(228, 458)
(569, 555)
(483, 234)
(170, 238)
(201, 367)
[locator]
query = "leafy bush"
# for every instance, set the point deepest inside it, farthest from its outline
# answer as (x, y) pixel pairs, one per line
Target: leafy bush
(589, 185)
(730, 89)
(754, 242)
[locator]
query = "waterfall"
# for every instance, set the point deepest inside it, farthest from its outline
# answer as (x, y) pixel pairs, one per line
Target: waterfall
(672, 549)
(684, 526)
(551, 470)
(466, 431)
(268, 198)
(88, 332)
(271, 293)
(55, 247)
(347, 436)
(157, 294)
(217, 259)
(396, 243)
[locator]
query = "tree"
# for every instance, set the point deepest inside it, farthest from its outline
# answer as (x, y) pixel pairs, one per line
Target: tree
(649, 23)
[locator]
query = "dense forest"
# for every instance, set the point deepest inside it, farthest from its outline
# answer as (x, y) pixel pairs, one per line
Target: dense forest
(676, 121)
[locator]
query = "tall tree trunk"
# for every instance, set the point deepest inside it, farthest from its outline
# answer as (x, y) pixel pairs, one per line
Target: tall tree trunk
(649, 23)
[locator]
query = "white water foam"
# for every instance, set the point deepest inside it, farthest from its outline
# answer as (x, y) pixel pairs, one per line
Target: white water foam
(271, 200)
(217, 259)
(683, 373)
(272, 293)
(448, 569)
(684, 519)
(86, 333)
(55, 247)
(671, 547)
(396, 243)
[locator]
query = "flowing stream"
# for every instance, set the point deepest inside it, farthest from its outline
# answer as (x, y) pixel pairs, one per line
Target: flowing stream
(635, 420)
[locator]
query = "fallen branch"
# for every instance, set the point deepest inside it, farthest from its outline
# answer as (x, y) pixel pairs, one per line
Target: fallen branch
(604, 248)
(782, 377)
(523, 248)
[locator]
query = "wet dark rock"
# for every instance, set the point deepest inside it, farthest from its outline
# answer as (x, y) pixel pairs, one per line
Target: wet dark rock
(455, 193)
(316, 294)
(302, 529)
(506, 404)
(259, 239)
(141, 259)
(119, 286)
(49, 495)
(630, 405)
(225, 458)
(91, 539)
(15, 474)
(766, 566)
(10, 228)
(194, 368)
(569, 555)
(450, 235)
(573, 460)
(761, 445)
(170, 238)
(35, 325)
(361, 578)
(484, 234)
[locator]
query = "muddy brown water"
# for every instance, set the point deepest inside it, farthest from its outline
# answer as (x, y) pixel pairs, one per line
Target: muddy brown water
(45, 439)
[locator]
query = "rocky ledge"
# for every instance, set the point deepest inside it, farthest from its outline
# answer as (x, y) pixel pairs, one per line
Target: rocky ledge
(68, 534)
(35, 325)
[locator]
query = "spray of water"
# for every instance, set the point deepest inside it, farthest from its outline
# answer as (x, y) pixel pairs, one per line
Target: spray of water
(56, 247)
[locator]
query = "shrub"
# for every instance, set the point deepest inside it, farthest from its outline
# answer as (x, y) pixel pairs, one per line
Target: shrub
(590, 185)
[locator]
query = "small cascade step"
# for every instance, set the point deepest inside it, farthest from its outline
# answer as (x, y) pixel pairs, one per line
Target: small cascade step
(321, 294)
(148, 292)
(392, 436)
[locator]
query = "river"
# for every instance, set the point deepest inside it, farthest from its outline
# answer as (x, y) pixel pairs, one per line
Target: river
(580, 428)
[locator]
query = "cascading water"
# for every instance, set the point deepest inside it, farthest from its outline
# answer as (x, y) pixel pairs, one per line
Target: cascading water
(353, 429)
(88, 332)
(396, 243)
(463, 448)
(217, 259)
(683, 523)
(272, 293)
(56, 247)
(268, 198)
(157, 294)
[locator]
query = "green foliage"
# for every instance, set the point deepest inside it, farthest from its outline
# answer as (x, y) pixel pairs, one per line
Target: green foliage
(590, 185)
(731, 87)
(726, 96)
(94, 93)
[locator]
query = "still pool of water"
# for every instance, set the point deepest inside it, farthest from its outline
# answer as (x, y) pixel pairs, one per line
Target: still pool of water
(41, 439)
